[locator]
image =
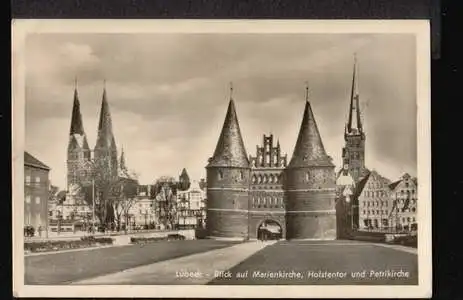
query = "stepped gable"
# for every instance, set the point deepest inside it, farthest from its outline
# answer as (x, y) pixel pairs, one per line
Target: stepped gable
(309, 150)
(230, 150)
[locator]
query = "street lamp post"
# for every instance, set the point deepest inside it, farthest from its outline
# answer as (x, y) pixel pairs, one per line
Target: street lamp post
(93, 204)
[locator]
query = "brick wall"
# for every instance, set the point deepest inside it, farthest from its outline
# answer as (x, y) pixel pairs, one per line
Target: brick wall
(228, 191)
(310, 203)
(230, 224)
(311, 226)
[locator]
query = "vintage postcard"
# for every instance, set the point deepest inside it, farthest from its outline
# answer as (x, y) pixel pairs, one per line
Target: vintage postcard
(175, 158)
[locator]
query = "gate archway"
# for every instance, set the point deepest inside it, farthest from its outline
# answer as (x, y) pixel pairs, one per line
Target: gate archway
(269, 229)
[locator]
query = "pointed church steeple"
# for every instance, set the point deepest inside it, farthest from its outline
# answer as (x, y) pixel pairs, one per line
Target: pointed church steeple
(309, 149)
(105, 147)
(230, 150)
(105, 137)
(354, 124)
(77, 126)
(76, 130)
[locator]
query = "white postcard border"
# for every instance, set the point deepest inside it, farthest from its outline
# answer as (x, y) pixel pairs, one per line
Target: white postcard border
(421, 29)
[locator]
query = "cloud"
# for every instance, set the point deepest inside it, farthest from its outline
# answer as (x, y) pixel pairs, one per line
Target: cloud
(168, 94)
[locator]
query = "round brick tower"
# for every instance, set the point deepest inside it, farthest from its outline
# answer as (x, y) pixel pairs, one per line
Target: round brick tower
(228, 179)
(310, 185)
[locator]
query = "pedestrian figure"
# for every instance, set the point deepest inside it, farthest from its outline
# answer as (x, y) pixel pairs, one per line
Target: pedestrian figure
(39, 229)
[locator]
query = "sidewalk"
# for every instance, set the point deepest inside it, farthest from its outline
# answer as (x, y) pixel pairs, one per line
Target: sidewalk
(201, 267)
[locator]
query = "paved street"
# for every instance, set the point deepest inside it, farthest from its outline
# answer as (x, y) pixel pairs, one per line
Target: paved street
(63, 268)
(198, 268)
(312, 258)
(258, 263)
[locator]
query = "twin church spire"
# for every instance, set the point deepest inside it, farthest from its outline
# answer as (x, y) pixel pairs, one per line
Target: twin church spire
(105, 143)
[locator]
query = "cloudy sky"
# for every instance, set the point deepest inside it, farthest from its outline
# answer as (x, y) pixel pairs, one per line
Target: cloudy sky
(168, 94)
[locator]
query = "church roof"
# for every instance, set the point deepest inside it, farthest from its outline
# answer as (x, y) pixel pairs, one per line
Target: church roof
(393, 185)
(184, 174)
(354, 124)
(31, 161)
(77, 126)
(230, 150)
(309, 149)
(105, 137)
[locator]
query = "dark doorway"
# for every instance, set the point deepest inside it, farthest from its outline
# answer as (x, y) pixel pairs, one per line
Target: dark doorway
(269, 230)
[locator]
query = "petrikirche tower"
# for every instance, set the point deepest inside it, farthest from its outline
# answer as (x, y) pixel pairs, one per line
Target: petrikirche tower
(353, 154)
(310, 185)
(228, 179)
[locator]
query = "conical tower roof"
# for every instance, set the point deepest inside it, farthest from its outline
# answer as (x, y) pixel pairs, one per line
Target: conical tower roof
(309, 149)
(77, 126)
(184, 174)
(105, 139)
(76, 131)
(354, 123)
(230, 151)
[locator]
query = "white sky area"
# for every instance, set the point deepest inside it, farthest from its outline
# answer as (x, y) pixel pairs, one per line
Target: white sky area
(168, 95)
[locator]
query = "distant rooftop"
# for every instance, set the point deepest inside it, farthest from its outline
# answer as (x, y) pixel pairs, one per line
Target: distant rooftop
(31, 161)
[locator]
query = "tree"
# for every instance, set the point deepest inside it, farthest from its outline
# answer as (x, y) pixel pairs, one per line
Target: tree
(53, 193)
(101, 187)
(165, 197)
(127, 196)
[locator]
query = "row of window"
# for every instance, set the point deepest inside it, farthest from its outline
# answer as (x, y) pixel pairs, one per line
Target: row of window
(374, 193)
(378, 203)
(374, 203)
(28, 179)
(220, 175)
(260, 160)
(381, 211)
(402, 192)
(266, 179)
(376, 212)
(37, 199)
(267, 201)
(385, 221)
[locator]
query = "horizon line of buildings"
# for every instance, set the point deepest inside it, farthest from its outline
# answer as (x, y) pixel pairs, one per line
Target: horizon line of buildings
(305, 195)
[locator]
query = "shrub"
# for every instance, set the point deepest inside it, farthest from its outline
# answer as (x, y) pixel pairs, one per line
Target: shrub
(138, 240)
(84, 242)
(175, 236)
(407, 240)
(200, 233)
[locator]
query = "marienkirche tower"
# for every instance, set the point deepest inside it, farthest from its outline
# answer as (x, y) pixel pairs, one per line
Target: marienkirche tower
(78, 151)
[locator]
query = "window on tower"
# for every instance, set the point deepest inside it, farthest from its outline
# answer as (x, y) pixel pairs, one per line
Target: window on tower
(220, 175)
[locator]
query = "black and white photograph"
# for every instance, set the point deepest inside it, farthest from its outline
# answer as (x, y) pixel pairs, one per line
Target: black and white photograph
(238, 158)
